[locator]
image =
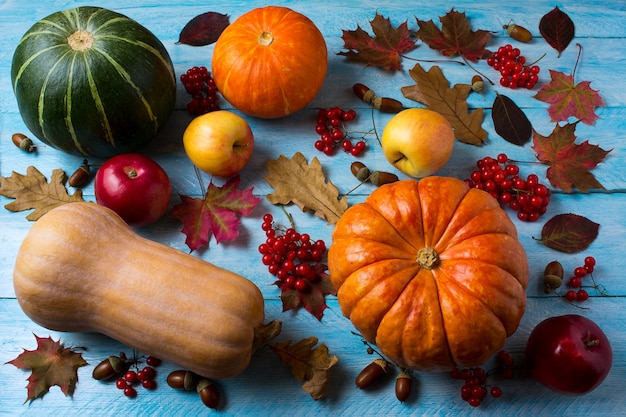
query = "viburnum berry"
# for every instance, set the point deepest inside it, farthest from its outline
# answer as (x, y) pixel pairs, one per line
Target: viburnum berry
(294, 258)
(514, 73)
(500, 177)
(330, 126)
(199, 83)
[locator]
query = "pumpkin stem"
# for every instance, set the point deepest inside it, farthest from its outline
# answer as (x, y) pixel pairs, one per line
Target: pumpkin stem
(265, 38)
(427, 258)
(81, 40)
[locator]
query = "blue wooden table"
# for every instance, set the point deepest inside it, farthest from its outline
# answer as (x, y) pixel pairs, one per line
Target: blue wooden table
(266, 387)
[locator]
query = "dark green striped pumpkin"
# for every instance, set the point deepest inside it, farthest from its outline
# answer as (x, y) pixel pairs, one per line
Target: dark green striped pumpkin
(93, 82)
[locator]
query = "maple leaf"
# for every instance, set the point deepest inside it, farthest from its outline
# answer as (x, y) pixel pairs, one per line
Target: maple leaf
(455, 37)
(306, 186)
(214, 214)
(32, 191)
(51, 364)
(433, 89)
(384, 49)
(569, 162)
(309, 364)
(567, 99)
(313, 300)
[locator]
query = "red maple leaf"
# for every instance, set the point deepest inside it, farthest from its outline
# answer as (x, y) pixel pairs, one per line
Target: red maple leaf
(384, 49)
(455, 37)
(569, 162)
(51, 364)
(216, 214)
(312, 300)
(567, 99)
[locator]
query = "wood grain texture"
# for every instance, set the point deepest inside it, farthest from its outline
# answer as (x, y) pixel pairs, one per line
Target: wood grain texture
(266, 387)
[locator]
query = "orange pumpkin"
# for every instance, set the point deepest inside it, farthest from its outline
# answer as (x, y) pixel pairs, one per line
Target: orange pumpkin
(270, 62)
(431, 272)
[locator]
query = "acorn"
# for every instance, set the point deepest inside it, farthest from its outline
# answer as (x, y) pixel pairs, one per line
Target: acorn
(111, 367)
(209, 393)
(387, 105)
(379, 178)
(519, 33)
(553, 276)
(360, 171)
(23, 142)
(363, 92)
(371, 373)
(80, 176)
(182, 379)
(404, 381)
(478, 84)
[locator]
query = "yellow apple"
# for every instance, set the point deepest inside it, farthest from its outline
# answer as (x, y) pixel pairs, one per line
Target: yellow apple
(219, 143)
(418, 141)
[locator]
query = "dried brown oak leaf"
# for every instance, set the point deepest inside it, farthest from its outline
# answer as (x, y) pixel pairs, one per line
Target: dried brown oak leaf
(296, 181)
(51, 364)
(33, 191)
(385, 49)
(455, 37)
(309, 364)
(433, 90)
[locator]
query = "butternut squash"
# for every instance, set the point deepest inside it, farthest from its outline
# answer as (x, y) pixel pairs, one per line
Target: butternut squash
(81, 268)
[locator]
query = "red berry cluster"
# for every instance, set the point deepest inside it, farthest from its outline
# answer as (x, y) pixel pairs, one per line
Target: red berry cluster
(292, 257)
(144, 377)
(199, 83)
(475, 388)
(500, 178)
(576, 282)
(513, 69)
(330, 127)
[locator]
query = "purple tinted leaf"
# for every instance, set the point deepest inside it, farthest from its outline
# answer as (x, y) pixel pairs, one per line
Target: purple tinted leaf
(569, 233)
(557, 29)
(203, 29)
(510, 121)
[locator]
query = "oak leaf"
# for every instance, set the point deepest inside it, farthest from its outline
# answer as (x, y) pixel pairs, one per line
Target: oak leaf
(569, 162)
(296, 181)
(309, 364)
(313, 300)
(567, 99)
(51, 364)
(215, 214)
(455, 37)
(384, 49)
(569, 233)
(433, 90)
(33, 191)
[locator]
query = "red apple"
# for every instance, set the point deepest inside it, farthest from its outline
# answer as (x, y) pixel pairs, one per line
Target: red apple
(135, 187)
(569, 354)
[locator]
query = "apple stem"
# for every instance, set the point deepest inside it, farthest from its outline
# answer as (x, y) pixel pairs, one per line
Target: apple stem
(591, 342)
(131, 172)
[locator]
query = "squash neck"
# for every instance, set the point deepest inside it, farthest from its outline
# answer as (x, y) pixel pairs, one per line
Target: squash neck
(428, 258)
(265, 38)
(80, 41)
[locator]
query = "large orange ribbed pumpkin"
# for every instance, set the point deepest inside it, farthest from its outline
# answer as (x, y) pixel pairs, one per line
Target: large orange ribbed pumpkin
(431, 271)
(270, 62)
